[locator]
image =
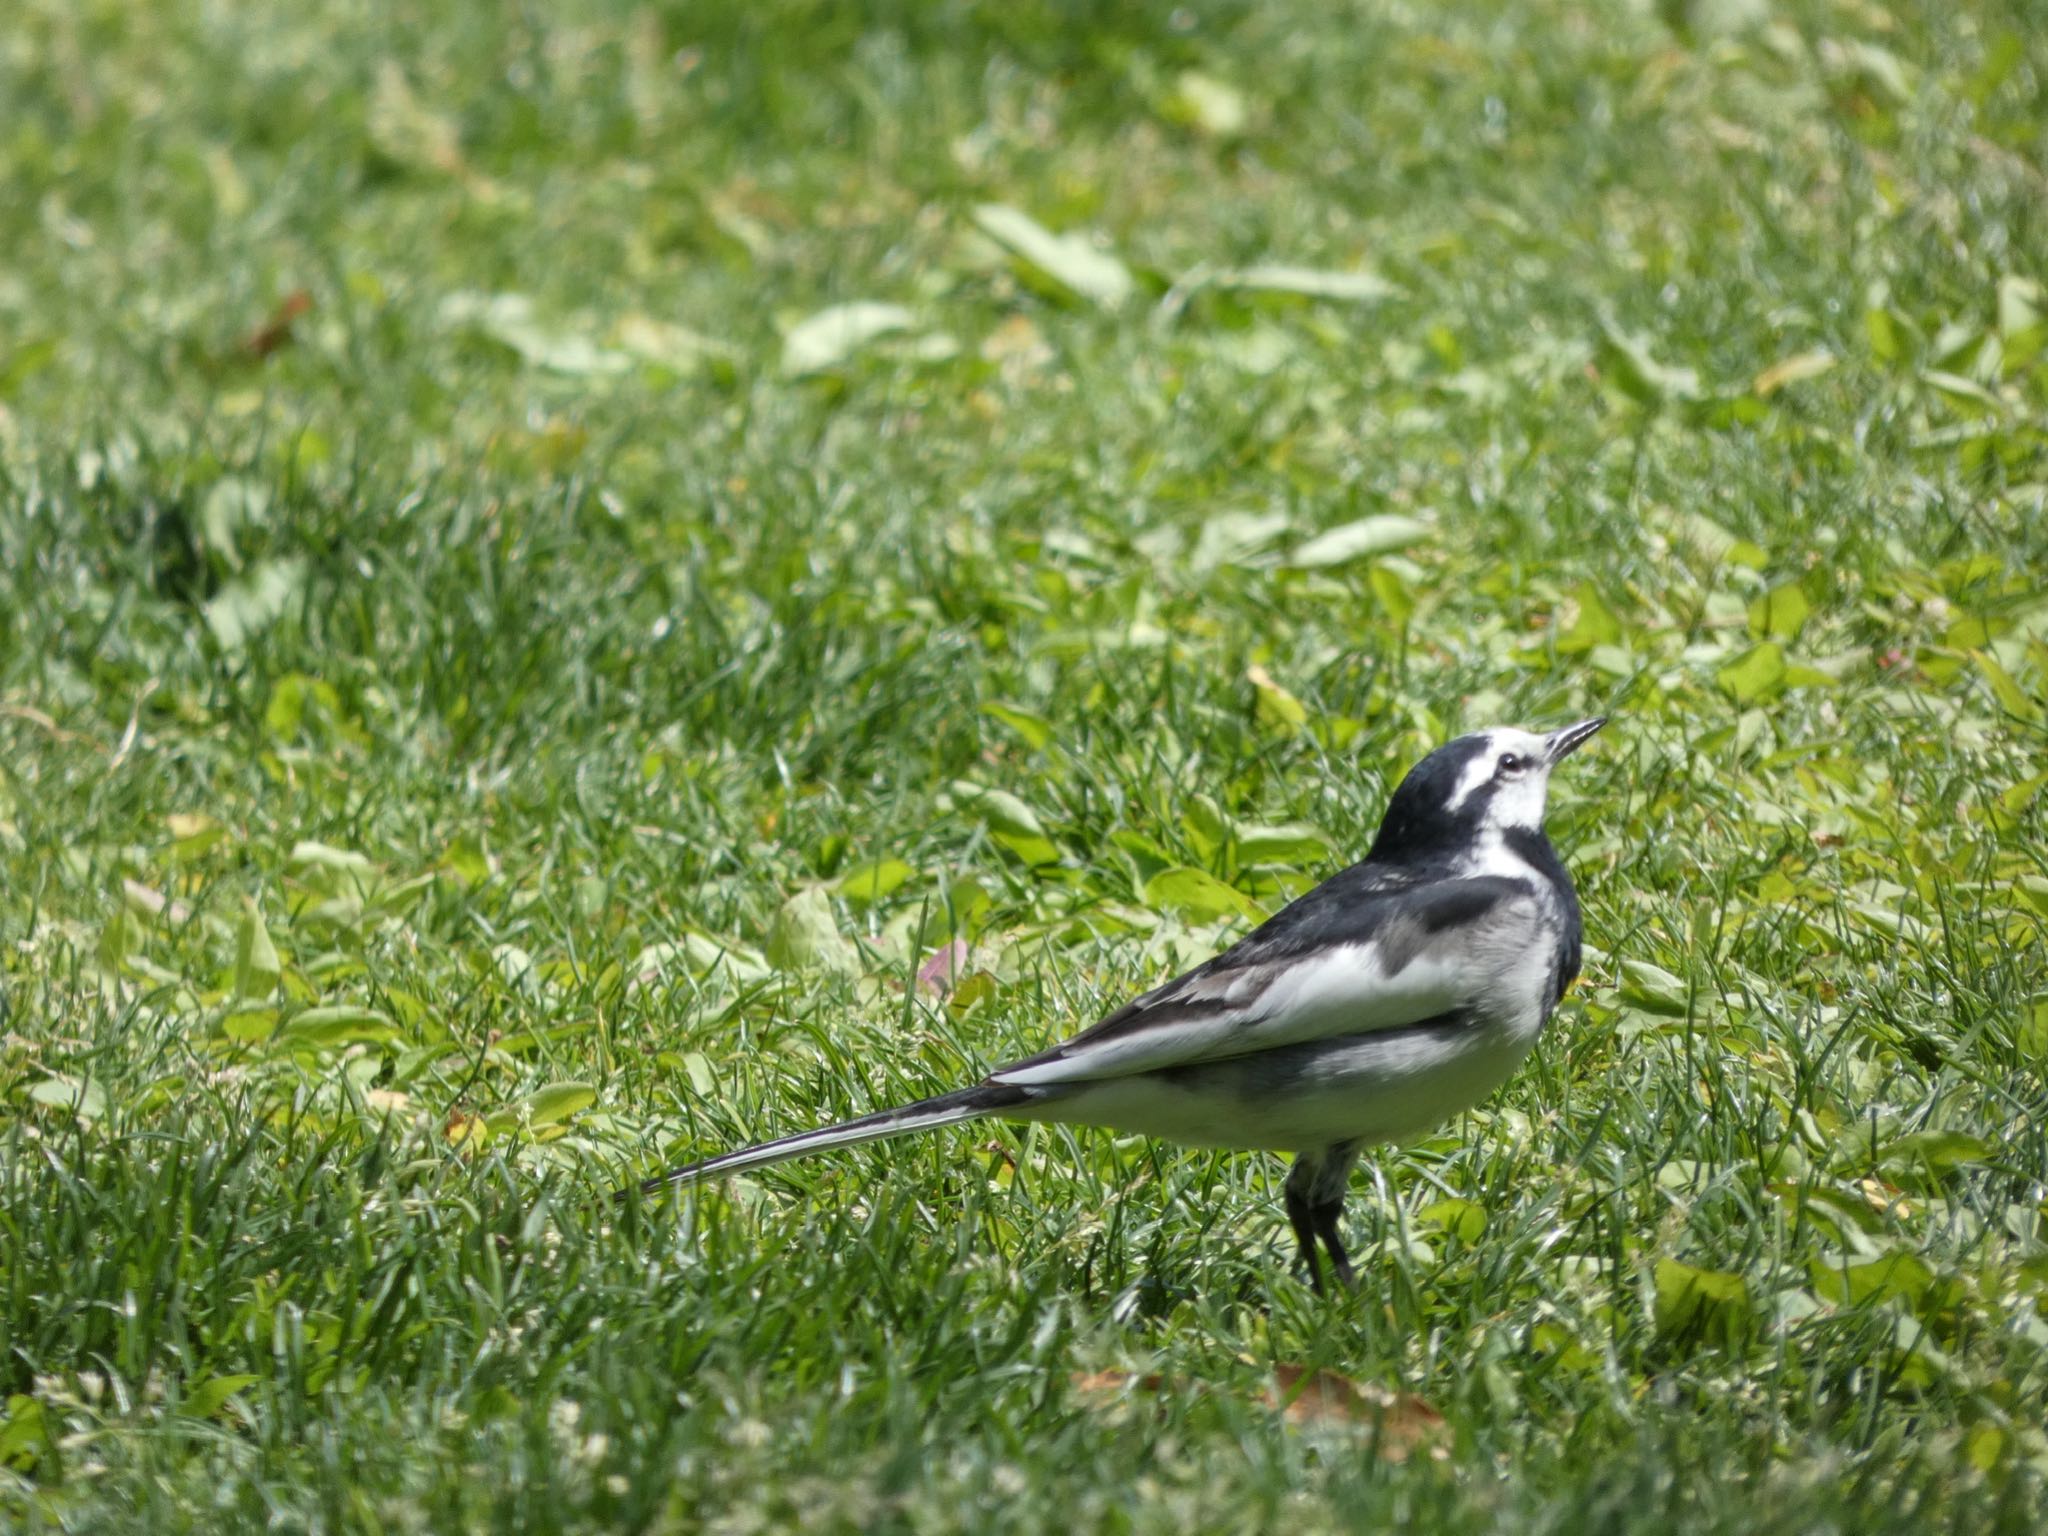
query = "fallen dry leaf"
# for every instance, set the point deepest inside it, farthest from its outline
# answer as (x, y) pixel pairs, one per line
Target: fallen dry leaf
(1401, 1422)
(277, 330)
(938, 974)
(1115, 1383)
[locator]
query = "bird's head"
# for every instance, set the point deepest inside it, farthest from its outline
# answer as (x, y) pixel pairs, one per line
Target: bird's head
(1475, 791)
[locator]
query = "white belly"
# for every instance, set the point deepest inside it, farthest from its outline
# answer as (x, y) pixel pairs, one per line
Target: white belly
(1392, 1085)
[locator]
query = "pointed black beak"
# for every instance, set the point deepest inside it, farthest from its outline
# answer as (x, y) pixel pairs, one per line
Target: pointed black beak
(1559, 745)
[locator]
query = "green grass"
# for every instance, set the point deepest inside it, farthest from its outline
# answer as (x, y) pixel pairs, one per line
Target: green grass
(418, 706)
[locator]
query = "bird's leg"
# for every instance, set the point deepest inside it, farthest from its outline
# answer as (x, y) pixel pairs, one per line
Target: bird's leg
(1301, 1214)
(1325, 1219)
(1325, 1201)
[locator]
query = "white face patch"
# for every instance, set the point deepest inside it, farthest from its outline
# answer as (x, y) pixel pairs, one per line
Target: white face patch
(1517, 800)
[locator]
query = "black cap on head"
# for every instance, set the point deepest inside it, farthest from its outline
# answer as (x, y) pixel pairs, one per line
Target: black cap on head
(1421, 819)
(1489, 784)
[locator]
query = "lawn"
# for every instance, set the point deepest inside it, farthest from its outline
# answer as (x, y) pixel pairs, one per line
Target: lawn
(553, 557)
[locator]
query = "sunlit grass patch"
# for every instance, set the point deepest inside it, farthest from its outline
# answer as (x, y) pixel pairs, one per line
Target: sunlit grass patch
(579, 589)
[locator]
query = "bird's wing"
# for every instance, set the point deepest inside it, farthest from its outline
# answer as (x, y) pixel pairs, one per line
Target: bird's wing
(1356, 954)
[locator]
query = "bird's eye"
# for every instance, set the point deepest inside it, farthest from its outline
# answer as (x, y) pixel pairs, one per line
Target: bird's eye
(1510, 763)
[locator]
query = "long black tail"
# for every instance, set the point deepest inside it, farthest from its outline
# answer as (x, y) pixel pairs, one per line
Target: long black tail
(946, 1109)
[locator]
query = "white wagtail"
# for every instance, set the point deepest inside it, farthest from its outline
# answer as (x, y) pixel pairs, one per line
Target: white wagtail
(1391, 997)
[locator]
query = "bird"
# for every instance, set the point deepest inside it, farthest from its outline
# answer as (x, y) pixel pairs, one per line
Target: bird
(1390, 998)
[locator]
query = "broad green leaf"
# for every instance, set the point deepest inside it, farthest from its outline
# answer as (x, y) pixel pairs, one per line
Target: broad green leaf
(1595, 624)
(975, 987)
(805, 936)
(831, 336)
(193, 834)
(60, 1090)
(1966, 394)
(247, 1026)
(1309, 283)
(2022, 320)
(1933, 1152)
(2021, 795)
(1881, 74)
(970, 904)
(1069, 261)
(697, 1067)
(1003, 811)
(2032, 1034)
(2012, 698)
(231, 504)
(1033, 850)
(674, 347)
(1873, 1280)
(330, 868)
(1204, 102)
(468, 860)
(1261, 350)
(708, 955)
(1626, 360)
(1205, 825)
(1922, 1362)
(1705, 1301)
(253, 601)
(1706, 538)
(1294, 842)
(1356, 540)
(22, 362)
(406, 131)
(291, 696)
(1755, 674)
(25, 1437)
(1275, 706)
(1235, 538)
(558, 1101)
(1654, 989)
(2021, 305)
(118, 939)
(1197, 893)
(1467, 1218)
(1780, 613)
(515, 967)
(210, 1396)
(1391, 592)
(1684, 1176)
(257, 967)
(337, 1024)
(509, 320)
(1036, 730)
(1795, 369)
(872, 882)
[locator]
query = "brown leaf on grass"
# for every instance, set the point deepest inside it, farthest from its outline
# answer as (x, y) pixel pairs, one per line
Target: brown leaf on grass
(1400, 1422)
(277, 330)
(938, 974)
(1107, 1384)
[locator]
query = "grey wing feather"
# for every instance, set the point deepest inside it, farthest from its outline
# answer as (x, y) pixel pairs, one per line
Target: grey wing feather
(1353, 955)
